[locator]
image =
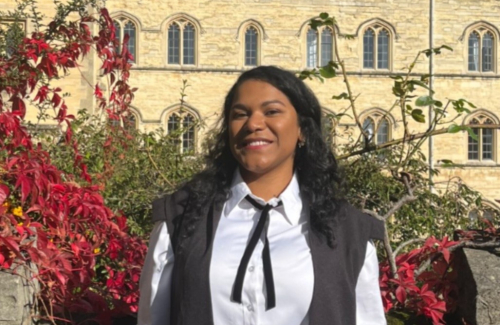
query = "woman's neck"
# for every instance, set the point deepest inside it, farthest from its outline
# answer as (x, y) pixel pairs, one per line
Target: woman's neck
(269, 185)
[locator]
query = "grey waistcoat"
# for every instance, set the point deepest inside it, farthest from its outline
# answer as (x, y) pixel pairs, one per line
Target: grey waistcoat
(336, 270)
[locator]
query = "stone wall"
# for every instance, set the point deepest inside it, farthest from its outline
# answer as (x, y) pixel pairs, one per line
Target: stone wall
(479, 286)
(283, 26)
(16, 299)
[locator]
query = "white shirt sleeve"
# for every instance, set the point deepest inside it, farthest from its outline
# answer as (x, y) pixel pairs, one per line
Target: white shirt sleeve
(369, 307)
(154, 304)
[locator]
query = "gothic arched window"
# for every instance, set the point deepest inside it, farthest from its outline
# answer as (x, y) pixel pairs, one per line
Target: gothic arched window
(125, 26)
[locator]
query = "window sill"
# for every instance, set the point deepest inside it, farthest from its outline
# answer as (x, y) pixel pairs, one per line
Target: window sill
(472, 163)
(481, 73)
(368, 70)
(182, 66)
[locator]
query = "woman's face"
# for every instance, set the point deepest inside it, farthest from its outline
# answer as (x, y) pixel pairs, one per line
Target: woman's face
(263, 128)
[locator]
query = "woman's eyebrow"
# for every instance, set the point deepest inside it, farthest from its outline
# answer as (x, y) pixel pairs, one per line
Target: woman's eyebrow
(267, 102)
(238, 106)
(275, 101)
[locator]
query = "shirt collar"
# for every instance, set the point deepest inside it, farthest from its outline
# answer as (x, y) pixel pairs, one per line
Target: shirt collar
(292, 202)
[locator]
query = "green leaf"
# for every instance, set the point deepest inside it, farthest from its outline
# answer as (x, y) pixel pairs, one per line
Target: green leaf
(454, 128)
(471, 133)
(446, 163)
(419, 83)
(470, 104)
(323, 15)
(341, 96)
(327, 71)
(418, 115)
(447, 47)
(424, 101)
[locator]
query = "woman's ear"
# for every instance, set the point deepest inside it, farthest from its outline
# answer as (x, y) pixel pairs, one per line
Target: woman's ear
(301, 141)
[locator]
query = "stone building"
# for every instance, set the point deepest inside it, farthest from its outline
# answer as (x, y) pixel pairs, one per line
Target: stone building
(209, 43)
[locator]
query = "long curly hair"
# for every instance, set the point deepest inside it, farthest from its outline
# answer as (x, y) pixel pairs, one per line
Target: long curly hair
(314, 163)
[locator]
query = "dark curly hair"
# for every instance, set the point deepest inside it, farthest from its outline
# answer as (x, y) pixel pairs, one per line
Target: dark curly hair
(317, 170)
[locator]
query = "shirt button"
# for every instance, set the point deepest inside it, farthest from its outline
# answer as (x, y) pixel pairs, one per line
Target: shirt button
(250, 308)
(251, 268)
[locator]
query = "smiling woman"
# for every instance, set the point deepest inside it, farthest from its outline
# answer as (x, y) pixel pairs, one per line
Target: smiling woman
(263, 135)
(262, 235)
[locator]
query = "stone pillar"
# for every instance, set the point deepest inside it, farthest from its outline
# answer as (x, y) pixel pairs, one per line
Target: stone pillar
(16, 298)
(479, 286)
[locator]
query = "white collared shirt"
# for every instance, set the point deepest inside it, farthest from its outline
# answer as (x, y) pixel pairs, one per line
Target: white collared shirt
(291, 262)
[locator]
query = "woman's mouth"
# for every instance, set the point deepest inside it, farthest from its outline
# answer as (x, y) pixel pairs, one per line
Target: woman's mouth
(256, 144)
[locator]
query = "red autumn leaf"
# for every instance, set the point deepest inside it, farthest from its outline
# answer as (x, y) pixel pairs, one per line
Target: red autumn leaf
(12, 244)
(401, 294)
(56, 100)
(42, 94)
(75, 249)
(97, 91)
(446, 255)
(4, 193)
(19, 106)
(20, 230)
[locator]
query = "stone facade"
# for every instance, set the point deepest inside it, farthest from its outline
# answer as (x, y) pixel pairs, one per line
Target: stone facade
(282, 26)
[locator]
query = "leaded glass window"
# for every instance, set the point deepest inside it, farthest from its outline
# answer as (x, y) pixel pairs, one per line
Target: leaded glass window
(118, 36)
(312, 49)
(189, 35)
(487, 52)
(481, 51)
(173, 123)
(383, 131)
(383, 49)
(369, 128)
(251, 44)
(482, 148)
(188, 134)
(377, 127)
(368, 49)
(174, 43)
(124, 26)
(181, 43)
(377, 48)
(131, 32)
(183, 126)
(474, 52)
(326, 46)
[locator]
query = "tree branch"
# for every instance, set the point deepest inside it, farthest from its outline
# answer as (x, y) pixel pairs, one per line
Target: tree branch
(406, 243)
(411, 137)
(467, 244)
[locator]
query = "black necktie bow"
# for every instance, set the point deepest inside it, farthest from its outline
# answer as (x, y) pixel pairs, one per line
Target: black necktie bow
(262, 226)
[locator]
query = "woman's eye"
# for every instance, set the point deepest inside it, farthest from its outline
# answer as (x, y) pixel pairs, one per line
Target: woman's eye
(239, 115)
(272, 112)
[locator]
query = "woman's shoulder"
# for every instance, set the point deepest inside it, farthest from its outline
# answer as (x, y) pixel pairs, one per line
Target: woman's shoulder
(352, 218)
(170, 205)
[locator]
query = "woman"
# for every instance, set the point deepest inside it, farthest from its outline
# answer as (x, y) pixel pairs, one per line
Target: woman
(261, 236)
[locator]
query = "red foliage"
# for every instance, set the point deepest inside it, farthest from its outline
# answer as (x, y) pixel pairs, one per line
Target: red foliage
(431, 293)
(46, 219)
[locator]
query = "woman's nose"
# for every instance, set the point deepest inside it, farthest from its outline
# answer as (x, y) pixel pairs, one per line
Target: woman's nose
(256, 122)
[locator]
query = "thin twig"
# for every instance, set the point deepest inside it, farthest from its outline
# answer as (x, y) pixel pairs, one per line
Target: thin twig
(406, 243)
(390, 254)
(156, 166)
(348, 85)
(373, 214)
(411, 137)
